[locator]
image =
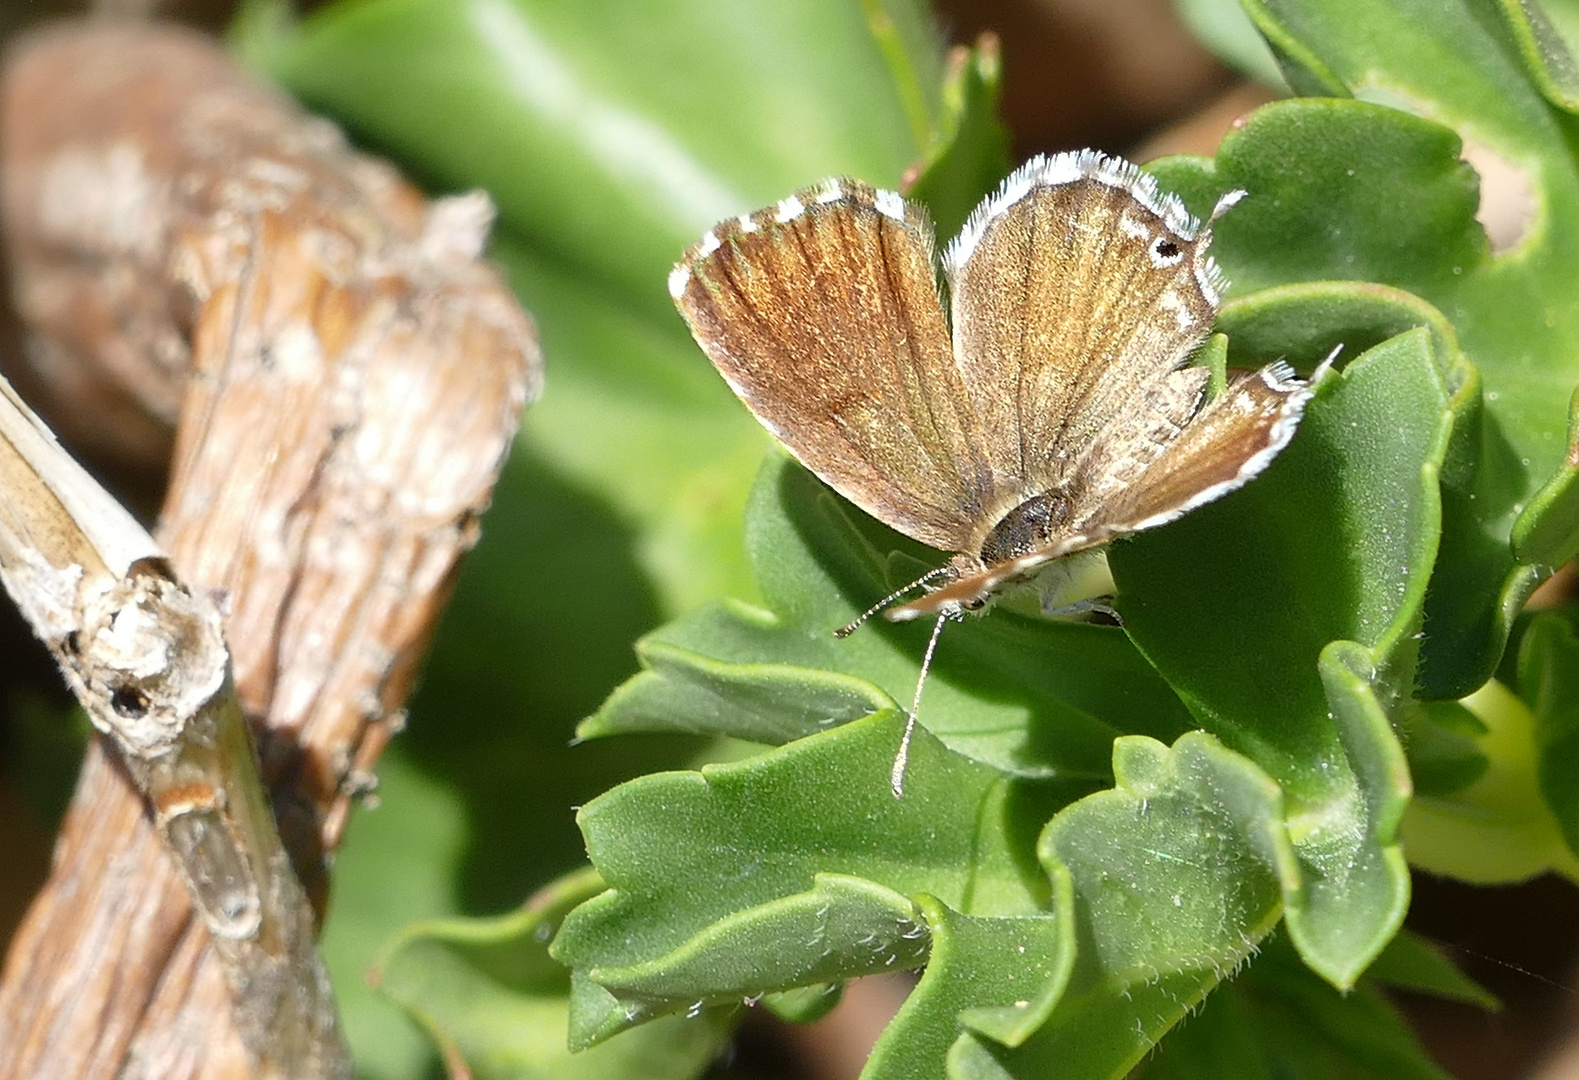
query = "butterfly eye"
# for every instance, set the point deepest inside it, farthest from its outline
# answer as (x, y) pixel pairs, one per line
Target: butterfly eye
(975, 605)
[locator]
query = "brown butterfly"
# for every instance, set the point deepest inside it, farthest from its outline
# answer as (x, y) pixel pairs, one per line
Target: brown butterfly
(1046, 413)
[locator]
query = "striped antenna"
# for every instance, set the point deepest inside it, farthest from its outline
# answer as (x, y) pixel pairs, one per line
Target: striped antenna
(896, 778)
(850, 628)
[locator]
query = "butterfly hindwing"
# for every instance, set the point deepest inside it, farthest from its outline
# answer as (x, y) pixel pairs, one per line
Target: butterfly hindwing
(1223, 447)
(1132, 440)
(1229, 442)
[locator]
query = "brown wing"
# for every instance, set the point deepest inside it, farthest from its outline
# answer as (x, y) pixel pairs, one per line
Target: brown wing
(1133, 440)
(1232, 438)
(823, 315)
(1074, 287)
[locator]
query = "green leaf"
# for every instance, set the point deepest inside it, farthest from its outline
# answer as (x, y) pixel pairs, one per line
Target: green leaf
(1352, 190)
(1366, 475)
(829, 925)
(1545, 54)
(840, 928)
(637, 417)
(1560, 19)
(1547, 532)
(1439, 737)
(1213, 356)
(1304, 322)
(970, 152)
(1235, 1033)
(701, 866)
(1548, 672)
(1356, 888)
(395, 867)
(1279, 1020)
(474, 792)
(1479, 587)
(1360, 1024)
(1500, 829)
(681, 690)
(1178, 872)
(1285, 617)
(1412, 963)
(595, 152)
(1224, 28)
(804, 1004)
(1338, 191)
(1332, 172)
(1503, 77)
(489, 996)
(995, 976)
(911, 45)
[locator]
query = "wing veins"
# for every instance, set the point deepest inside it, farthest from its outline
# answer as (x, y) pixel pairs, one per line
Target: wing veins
(893, 301)
(1020, 375)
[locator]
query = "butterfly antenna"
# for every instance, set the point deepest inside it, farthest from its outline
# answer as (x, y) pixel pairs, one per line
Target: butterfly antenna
(1326, 365)
(850, 628)
(896, 778)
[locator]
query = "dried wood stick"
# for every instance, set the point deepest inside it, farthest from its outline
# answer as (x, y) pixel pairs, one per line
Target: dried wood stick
(147, 660)
(347, 376)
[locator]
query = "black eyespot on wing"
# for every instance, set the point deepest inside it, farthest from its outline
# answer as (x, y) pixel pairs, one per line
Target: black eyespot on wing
(1166, 249)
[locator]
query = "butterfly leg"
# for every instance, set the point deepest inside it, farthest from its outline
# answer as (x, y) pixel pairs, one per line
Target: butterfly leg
(1099, 605)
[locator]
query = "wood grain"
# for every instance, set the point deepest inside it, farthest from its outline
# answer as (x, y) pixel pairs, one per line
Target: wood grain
(191, 252)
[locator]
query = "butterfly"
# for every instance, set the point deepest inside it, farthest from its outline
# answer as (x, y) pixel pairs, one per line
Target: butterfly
(1030, 403)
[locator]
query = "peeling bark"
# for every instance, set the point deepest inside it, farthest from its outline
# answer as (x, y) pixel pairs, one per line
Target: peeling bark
(343, 377)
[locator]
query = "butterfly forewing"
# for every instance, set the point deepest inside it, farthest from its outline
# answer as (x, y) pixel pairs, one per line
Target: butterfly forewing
(823, 315)
(1073, 288)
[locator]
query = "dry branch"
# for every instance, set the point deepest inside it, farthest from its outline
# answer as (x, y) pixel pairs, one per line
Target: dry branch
(147, 659)
(347, 377)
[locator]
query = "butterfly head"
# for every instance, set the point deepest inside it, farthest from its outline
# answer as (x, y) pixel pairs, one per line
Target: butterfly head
(972, 587)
